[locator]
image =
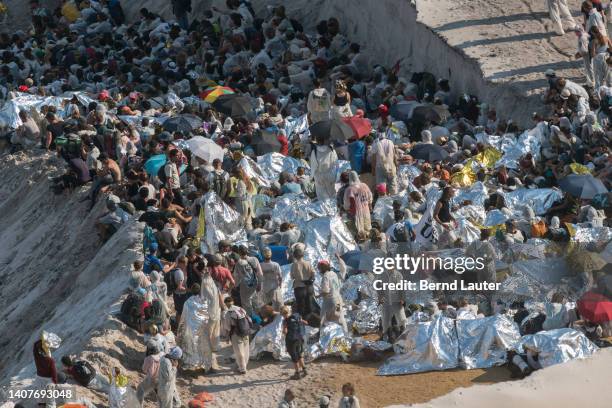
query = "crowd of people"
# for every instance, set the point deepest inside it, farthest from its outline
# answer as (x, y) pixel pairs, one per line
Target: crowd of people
(186, 301)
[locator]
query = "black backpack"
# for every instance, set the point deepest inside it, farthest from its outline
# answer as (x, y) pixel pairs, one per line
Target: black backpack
(219, 185)
(243, 326)
(170, 283)
(295, 327)
(130, 310)
(84, 372)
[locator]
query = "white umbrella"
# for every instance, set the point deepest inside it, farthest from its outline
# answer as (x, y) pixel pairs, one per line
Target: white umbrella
(205, 149)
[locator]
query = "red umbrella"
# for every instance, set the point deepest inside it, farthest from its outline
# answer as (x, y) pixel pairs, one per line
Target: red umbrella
(361, 126)
(595, 307)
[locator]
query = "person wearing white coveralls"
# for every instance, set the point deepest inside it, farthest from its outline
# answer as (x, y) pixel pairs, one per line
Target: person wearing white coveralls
(167, 394)
(332, 306)
(392, 301)
(561, 16)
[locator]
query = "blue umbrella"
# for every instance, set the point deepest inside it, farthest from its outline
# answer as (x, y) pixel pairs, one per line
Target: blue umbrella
(155, 163)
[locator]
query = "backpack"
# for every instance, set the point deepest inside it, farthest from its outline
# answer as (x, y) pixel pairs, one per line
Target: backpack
(250, 277)
(538, 229)
(242, 327)
(84, 372)
(219, 186)
(170, 283)
(295, 327)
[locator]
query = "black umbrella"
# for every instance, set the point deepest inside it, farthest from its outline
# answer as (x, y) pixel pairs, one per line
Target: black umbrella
(403, 110)
(333, 130)
(234, 105)
(182, 123)
(582, 186)
(429, 152)
(266, 142)
(430, 113)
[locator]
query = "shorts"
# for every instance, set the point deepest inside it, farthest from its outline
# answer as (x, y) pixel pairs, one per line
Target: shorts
(295, 348)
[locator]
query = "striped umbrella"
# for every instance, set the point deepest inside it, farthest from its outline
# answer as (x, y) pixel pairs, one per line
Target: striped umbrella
(211, 94)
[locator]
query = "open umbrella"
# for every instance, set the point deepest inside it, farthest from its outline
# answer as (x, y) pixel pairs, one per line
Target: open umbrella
(430, 113)
(582, 186)
(266, 142)
(182, 123)
(214, 92)
(403, 110)
(205, 148)
(361, 126)
(155, 163)
(429, 152)
(233, 105)
(595, 307)
(333, 130)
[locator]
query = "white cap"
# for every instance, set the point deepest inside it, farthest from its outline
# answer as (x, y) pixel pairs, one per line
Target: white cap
(549, 72)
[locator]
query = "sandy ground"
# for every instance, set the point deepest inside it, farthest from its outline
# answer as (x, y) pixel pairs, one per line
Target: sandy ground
(512, 40)
(267, 379)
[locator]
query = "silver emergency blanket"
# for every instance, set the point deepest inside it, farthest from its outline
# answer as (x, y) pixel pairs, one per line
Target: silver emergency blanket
(287, 285)
(332, 342)
(298, 209)
(9, 114)
(364, 317)
(424, 346)
(477, 193)
(326, 236)
(355, 284)
(537, 279)
(473, 213)
(222, 222)
(539, 199)
(194, 317)
(484, 342)
(466, 230)
(253, 171)
(52, 340)
(272, 164)
(271, 339)
(296, 125)
(528, 142)
(406, 173)
(495, 217)
(557, 346)
(377, 345)
(596, 234)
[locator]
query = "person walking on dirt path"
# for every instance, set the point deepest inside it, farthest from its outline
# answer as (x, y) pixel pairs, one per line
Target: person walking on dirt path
(167, 394)
(210, 336)
(238, 323)
(560, 16)
(294, 328)
(348, 400)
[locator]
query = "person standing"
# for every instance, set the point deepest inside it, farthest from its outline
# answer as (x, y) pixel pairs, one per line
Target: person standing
(384, 166)
(294, 329)
(392, 302)
(332, 308)
(211, 329)
(323, 162)
(358, 203)
(560, 15)
(238, 325)
(319, 103)
(167, 394)
(248, 275)
(584, 53)
(181, 9)
(150, 368)
(173, 181)
(272, 280)
(303, 276)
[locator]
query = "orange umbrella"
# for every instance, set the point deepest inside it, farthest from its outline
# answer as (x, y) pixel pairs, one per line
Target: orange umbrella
(211, 94)
(361, 127)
